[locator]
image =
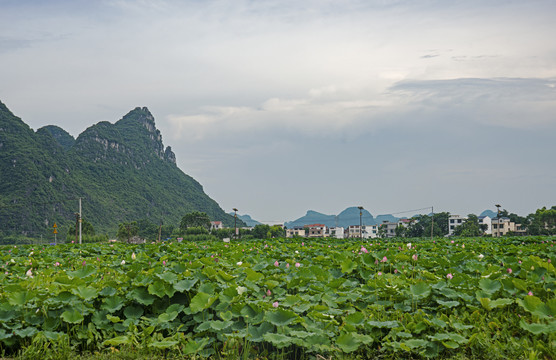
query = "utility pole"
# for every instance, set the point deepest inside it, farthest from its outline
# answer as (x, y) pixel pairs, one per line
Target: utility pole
(160, 231)
(235, 223)
(360, 222)
(498, 217)
(80, 222)
(432, 222)
(76, 225)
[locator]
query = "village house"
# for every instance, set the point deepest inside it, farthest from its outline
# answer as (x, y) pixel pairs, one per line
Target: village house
(295, 231)
(215, 225)
(316, 230)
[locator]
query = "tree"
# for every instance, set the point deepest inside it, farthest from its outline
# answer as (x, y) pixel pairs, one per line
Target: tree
(400, 230)
(382, 231)
(261, 231)
(277, 231)
(147, 230)
(470, 227)
(415, 229)
(195, 219)
(542, 222)
(126, 231)
(86, 229)
(223, 233)
(422, 225)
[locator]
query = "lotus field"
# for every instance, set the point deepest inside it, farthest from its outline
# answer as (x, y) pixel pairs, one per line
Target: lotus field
(466, 298)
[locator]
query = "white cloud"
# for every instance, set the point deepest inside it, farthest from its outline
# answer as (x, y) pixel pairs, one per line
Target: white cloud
(324, 112)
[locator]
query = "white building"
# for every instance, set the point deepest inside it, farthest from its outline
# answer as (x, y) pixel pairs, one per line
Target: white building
(389, 228)
(367, 232)
(453, 222)
(335, 232)
(486, 220)
(215, 225)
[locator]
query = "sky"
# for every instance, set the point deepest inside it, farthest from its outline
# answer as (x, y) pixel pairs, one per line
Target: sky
(279, 107)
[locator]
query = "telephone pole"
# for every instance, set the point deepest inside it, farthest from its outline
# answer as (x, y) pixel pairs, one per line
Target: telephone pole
(432, 222)
(80, 222)
(360, 222)
(235, 223)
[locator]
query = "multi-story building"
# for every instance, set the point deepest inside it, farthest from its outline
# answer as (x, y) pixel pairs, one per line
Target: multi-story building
(486, 220)
(389, 228)
(295, 231)
(335, 232)
(366, 232)
(453, 222)
(316, 230)
(502, 226)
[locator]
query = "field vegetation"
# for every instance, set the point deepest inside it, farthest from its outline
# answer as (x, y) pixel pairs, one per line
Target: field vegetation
(465, 298)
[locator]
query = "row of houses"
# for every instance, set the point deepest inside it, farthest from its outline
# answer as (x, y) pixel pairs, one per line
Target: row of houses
(321, 230)
(493, 226)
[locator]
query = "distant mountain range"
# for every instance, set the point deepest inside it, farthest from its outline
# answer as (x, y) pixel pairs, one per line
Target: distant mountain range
(122, 171)
(491, 214)
(349, 216)
(246, 219)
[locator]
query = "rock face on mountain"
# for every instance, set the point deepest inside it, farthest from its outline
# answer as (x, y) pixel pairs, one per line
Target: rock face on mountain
(121, 171)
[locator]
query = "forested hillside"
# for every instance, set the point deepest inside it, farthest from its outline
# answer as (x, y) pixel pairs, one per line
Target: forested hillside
(121, 171)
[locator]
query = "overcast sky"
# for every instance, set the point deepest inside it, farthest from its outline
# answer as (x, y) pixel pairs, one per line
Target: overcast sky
(278, 107)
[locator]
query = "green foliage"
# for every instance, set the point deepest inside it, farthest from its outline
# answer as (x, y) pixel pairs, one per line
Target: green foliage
(263, 231)
(195, 219)
(86, 229)
(126, 231)
(423, 225)
(470, 227)
(250, 299)
(122, 172)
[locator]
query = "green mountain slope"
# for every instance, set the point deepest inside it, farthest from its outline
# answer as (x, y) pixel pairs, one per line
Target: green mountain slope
(121, 171)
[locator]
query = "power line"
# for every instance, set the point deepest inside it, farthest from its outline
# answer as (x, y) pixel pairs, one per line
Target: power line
(408, 211)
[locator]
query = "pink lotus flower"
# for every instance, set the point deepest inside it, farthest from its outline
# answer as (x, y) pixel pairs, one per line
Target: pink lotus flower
(450, 276)
(276, 263)
(364, 250)
(509, 270)
(83, 262)
(297, 265)
(384, 259)
(268, 292)
(452, 241)
(163, 262)
(379, 273)
(287, 265)
(530, 293)
(275, 304)
(395, 271)
(302, 244)
(57, 263)
(519, 262)
(414, 257)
